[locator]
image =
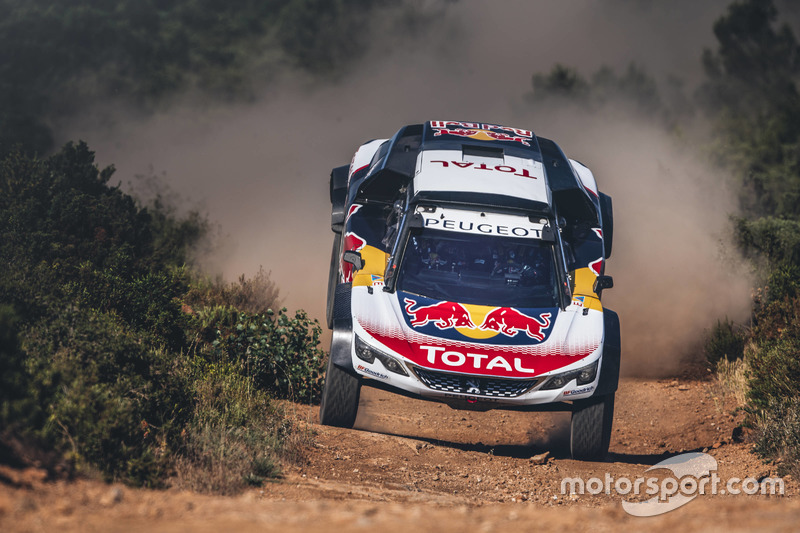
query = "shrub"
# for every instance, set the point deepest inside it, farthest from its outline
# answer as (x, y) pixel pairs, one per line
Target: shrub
(254, 295)
(778, 435)
(775, 239)
(277, 351)
(236, 437)
(15, 405)
(112, 399)
(725, 342)
(774, 372)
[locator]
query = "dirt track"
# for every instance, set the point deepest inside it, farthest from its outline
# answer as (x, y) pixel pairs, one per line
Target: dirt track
(415, 464)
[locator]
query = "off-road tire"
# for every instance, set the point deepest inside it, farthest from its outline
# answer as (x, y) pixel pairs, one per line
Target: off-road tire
(590, 429)
(340, 395)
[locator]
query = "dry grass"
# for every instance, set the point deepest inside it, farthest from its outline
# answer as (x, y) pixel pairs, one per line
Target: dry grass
(732, 380)
(239, 437)
(252, 295)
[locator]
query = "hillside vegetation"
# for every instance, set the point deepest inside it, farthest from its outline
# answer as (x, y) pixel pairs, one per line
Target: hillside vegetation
(750, 95)
(116, 356)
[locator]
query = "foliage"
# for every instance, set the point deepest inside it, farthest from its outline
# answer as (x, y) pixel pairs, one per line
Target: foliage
(237, 435)
(775, 239)
(56, 54)
(109, 398)
(778, 435)
(15, 407)
(775, 372)
(253, 295)
(101, 358)
(278, 352)
(725, 342)
(634, 89)
(752, 96)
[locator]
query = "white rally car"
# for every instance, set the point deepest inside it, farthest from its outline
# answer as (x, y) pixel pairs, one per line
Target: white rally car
(467, 267)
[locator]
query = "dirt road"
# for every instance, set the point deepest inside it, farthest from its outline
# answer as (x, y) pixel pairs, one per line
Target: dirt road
(419, 465)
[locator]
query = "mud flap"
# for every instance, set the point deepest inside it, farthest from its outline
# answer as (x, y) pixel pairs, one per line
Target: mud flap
(338, 186)
(609, 369)
(342, 340)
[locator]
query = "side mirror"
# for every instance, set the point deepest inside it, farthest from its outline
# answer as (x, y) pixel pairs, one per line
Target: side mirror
(354, 258)
(603, 282)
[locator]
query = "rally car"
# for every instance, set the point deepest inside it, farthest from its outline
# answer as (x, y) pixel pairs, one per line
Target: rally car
(467, 267)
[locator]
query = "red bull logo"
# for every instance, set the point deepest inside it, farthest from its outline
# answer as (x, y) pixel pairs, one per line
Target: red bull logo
(505, 320)
(509, 321)
(482, 135)
(444, 315)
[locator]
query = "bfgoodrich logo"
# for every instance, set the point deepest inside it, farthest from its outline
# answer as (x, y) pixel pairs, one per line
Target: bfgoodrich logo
(692, 474)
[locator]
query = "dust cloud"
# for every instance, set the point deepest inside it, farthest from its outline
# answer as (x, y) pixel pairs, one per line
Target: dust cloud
(261, 169)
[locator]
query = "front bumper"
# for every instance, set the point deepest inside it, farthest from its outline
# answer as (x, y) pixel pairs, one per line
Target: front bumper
(452, 387)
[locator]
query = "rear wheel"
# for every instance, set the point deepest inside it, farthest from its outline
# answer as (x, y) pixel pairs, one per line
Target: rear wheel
(590, 430)
(340, 394)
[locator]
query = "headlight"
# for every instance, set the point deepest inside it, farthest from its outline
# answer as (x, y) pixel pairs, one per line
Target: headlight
(367, 353)
(582, 376)
(364, 352)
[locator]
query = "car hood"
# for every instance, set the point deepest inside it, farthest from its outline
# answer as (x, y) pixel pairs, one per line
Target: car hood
(472, 339)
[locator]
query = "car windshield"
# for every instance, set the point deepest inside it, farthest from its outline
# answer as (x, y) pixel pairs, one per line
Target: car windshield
(480, 269)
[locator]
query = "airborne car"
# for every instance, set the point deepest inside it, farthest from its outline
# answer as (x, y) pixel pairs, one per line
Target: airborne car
(467, 267)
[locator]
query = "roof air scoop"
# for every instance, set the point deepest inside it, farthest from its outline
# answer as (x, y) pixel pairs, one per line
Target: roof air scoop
(482, 154)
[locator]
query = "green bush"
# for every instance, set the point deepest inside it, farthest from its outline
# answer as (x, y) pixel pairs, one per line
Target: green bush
(279, 352)
(775, 239)
(237, 435)
(776, 313)
(16, 409)
(725, 341)
(112, 399)
(774, 372)
(778, 435)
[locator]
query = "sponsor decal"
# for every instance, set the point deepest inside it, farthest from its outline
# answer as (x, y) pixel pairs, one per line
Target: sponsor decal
(438, 355)
(523, 173)
(482, 135)
(484, 228)
(371, 372)
(509, 321)
(505, 320)
(449, 124)
(582, 390)
(377, 281)
(514, 343)
(444, 315)
(578, 301)
(479, 358)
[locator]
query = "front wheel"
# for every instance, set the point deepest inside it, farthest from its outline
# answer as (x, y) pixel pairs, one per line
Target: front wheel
(340, 394)
(590, 430)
